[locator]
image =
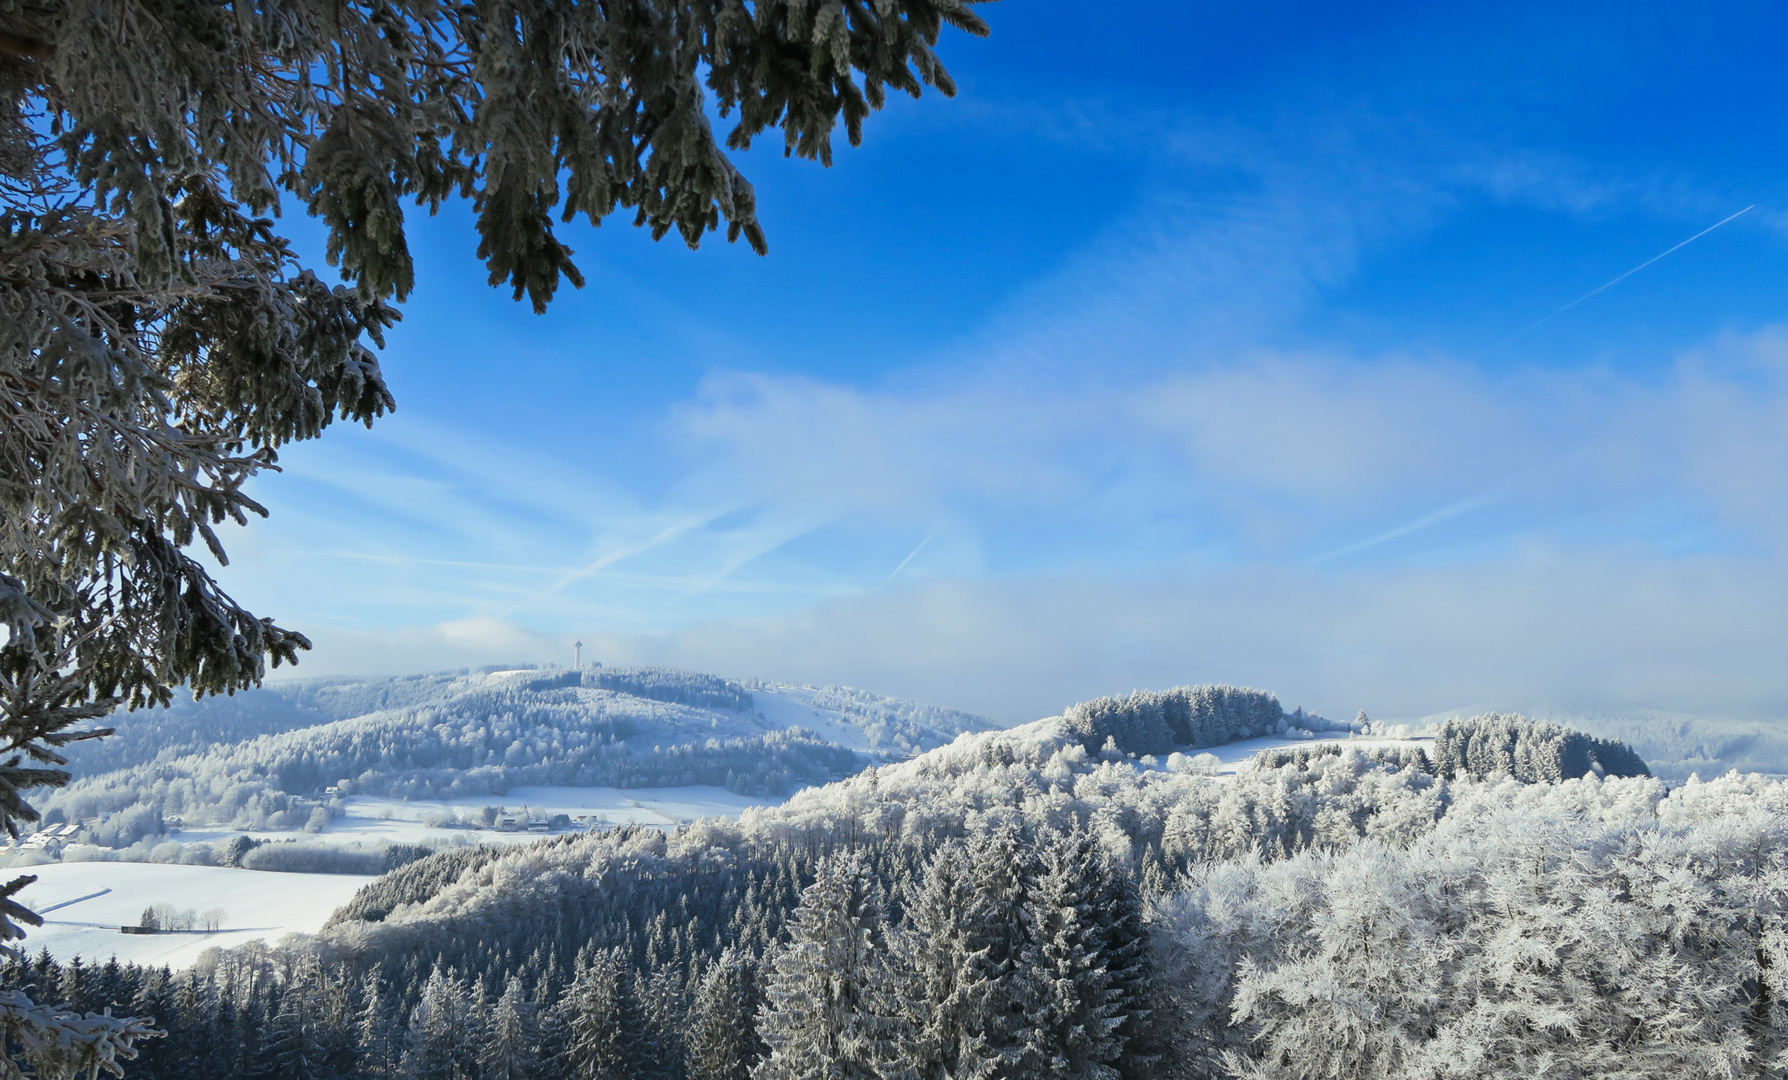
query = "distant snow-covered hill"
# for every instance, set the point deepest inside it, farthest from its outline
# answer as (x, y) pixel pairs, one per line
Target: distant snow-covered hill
(268, 759)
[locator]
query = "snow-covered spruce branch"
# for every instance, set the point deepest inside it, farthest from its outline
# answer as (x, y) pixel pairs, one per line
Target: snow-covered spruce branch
(62, 1045)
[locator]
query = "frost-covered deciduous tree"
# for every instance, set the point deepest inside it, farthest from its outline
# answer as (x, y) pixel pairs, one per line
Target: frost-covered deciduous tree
(1523, 937)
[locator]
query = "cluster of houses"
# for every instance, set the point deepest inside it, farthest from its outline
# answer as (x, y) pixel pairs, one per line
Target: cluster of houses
(50, 839)
(521, 821)
(525, 820)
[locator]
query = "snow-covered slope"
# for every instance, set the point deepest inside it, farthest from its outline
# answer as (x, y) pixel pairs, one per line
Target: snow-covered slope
(84, 904)
(889, 728)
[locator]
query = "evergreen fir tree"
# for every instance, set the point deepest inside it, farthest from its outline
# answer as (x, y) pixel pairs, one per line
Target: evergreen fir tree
(996, 940)
(550, 1020)
(722, 1041)
(72, 989)
(818, 1017)
(1073, 1007)
(664, 1003)
(152, 1000)
(441, 1040)
(248, 1020)
(958, 980)
(939, 984)
(338, 1031)
(605, 1029)
(510, 1050)
(1123, 939)
(292, 1045)
(375, 1032)
(108, 989)
(191, 1013)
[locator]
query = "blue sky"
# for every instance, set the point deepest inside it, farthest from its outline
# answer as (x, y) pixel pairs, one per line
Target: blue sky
(1174, 348)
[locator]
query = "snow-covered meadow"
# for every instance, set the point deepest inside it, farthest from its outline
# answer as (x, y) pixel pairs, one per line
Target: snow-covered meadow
(84, 904)
(372, 821)
(667, 806)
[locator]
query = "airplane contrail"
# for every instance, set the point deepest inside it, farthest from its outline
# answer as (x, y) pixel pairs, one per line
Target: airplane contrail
(1438, 516)
(669, 533)
(666, 581)
(734, 562)
(915, 551)
(1610, 284)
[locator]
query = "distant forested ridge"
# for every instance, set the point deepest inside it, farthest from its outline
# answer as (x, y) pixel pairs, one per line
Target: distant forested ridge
(1018, 905)
(263, 759)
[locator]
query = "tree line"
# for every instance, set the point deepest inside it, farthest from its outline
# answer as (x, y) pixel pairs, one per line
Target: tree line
(1535, 752)
(1161, 721)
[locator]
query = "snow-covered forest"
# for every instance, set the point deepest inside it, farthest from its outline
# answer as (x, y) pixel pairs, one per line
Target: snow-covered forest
(1424, 363)
(1044, 902)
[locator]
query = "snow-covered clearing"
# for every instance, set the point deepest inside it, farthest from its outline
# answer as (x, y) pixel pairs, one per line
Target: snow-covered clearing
(667, 806)
(84, 904)
(373, 820)
(786, 706)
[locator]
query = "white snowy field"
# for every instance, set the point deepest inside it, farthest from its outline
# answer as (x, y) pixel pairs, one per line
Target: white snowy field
(84, 904)
(667, 806)
(373, 820)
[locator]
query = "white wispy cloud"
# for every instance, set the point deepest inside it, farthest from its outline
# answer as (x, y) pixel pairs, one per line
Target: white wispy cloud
(1611, 612)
